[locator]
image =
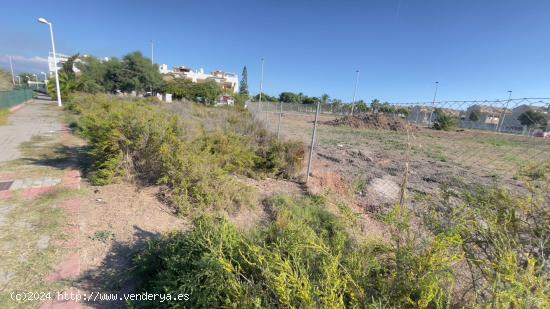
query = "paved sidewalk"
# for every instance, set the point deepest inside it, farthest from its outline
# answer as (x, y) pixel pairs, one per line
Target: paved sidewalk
(35, 118)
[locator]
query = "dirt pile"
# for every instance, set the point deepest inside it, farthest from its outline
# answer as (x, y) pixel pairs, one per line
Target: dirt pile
(372, 121)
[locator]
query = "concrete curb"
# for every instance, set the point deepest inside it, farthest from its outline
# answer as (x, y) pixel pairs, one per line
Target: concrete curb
(19, 106)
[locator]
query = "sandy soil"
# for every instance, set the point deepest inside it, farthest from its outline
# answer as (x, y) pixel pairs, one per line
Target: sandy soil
(115, 222)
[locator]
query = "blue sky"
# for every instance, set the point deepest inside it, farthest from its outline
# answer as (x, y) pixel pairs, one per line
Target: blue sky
(475, 49)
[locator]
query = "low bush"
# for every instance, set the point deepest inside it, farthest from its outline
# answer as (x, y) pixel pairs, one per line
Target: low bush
(142, 141)
(444, 121)
(505, 239)
(305, 258)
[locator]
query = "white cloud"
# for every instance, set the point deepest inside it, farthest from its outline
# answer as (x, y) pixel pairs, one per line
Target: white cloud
(24, 64)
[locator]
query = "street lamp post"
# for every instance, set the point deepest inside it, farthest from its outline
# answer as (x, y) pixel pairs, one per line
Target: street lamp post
(58, 92)
(433, 104)
(36, 81)
(261, 88)
(355, 90)
(12, 76)
(504, 111)
(152, 53)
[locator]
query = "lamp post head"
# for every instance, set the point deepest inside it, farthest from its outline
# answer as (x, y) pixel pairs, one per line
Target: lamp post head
(43, 20)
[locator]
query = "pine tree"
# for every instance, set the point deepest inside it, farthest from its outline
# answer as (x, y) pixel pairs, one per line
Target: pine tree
(244, 82)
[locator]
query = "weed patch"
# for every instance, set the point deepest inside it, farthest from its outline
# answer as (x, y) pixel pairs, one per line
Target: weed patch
(144, 142)
(305, 258)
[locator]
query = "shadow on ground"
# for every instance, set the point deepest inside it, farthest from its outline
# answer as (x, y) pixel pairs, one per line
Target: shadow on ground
(115, 273)
(63, 157)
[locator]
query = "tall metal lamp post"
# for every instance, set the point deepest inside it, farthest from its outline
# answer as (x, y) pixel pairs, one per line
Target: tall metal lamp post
(355, 91)
(57, 91)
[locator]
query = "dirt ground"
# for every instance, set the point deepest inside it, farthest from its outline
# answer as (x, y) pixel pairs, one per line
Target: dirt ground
(372, 162)
(115, 222)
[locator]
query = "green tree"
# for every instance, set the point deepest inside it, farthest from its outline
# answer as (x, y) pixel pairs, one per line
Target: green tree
(138, 74)
(309, 100)
(67, 67)
(403, 111)
(474, 116)
(66, 85)
(240, 99)
(207, 92)
(324, 99)
(289, 97)
(25, 77)
(375, 105)
(265, 98)
(180, 88)
(443, 121)
(244, 82)
(531, 118)
(361, 106)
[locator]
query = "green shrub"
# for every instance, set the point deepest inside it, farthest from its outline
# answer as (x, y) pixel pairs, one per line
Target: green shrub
(444, 121)
(305, 258)
(196, 182)
(505, 241)
(233, 153)
(282, 159)
(134, 139)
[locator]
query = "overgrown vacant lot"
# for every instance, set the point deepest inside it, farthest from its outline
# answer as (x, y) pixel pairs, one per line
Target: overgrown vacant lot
(378, 157)
(472, 243)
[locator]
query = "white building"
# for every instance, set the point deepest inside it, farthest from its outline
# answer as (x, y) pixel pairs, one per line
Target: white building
(228, 81)
(61, 58)
(163, 69)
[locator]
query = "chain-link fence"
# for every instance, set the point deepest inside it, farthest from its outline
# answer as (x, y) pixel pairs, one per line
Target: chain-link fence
(433, 144)
(9, 99)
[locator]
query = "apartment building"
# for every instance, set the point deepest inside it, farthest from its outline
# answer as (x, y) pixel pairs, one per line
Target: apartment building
(228, 81)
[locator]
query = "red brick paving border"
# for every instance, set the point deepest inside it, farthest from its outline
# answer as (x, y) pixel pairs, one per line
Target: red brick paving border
(69, 267)
(32, 193)
(5, 195)
(7, 175)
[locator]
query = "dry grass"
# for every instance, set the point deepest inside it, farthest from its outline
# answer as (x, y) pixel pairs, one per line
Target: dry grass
(4, 115)
(482, 153)
(26, 236)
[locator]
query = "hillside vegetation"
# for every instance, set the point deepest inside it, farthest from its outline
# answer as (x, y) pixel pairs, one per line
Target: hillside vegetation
(6, 82)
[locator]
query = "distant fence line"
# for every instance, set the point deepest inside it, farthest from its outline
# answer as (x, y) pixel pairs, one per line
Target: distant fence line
(9, 99)
(494, 115)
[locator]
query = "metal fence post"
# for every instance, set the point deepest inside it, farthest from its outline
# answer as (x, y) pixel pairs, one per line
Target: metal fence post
(312, 143)
(280, 114)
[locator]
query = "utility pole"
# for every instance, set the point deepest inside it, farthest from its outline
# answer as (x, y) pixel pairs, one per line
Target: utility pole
(355, 90)
(499, 127)
(430, 122)
(261, 87)
(12, 75)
